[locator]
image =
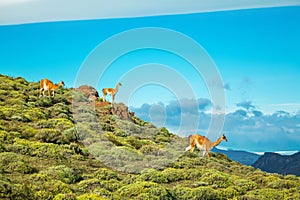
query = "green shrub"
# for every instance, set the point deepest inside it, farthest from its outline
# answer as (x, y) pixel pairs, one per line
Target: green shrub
(5, 189)
(150, 149)
(39, 149)
(138, 143)
(69, 196)
(7, 137)
(175, 174)
(292, 177)
(83, 131)
(86, 186)
(243, 185)
(15, 101)
(56, 136)
(70, 135)
(118, 141)
(196, 193)
(28, 132)
(21, 118)
(50, 136)
(11, 162)
(103, 193)
(120, 133)
(58, 109)
(107, 127)
(49, 189)
(35, 114)
(62, 173)
(46, 124)
(153, 175)
(281, 184)
(143, 190)
(258, 177)
(45, 102)
(106, 174)
(111, 185)
(20, 192)
(90, 196)
(265, 194)
(218, 179)
(228, 193)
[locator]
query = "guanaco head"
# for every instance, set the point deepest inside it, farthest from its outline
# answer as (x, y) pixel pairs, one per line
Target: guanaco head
(119, 84)
(224, 137)
(62, 83)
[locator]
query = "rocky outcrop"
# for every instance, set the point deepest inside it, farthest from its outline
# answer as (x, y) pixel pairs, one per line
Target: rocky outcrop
(121, 110)
(118, 109)
(89, 92)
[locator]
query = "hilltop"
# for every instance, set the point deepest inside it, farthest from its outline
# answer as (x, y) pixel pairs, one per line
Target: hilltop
(69, 147)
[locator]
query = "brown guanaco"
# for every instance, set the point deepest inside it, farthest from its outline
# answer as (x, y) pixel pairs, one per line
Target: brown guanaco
(47, 85)
(203, 143)
(111, 92)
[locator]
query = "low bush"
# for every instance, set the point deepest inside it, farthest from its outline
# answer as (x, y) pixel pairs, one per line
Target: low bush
(57, 136)
(242, 186)
(143, 190)
(90, 196)
(265, 194)
(216, 179)
(11, 162)
(39, 149)
(153, 175)
(69, 196)
(106, 174)
(206, 193)
(150, 149)
(28, 132)
(61, 173)
(49, 189)
(281, 184)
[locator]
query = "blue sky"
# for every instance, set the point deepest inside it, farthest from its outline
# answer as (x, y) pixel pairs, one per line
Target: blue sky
(256, 52)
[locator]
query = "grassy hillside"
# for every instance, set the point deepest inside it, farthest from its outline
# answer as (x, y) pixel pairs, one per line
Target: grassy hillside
(44, 156)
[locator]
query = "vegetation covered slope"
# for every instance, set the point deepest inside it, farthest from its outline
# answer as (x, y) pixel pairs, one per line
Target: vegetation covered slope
(42, 156)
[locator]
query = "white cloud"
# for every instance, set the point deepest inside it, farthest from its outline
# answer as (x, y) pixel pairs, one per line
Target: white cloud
(279, 131)
(31, 11)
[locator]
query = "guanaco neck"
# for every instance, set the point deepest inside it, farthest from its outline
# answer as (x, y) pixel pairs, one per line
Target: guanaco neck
(56, 86)
(219, 140)
(117, 88)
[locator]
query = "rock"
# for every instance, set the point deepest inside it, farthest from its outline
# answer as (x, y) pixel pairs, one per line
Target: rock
(118, 109)
(121, 110)
(89, 92)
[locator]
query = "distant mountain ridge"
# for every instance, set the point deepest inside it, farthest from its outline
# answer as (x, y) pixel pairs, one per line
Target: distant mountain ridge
(282, 164)
(243, 157)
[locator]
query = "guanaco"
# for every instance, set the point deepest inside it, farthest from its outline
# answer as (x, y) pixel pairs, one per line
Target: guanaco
(111, 92)
(47, 85)
(203, 143)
